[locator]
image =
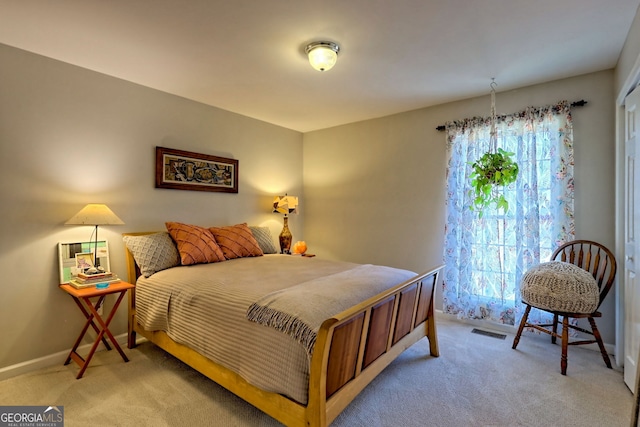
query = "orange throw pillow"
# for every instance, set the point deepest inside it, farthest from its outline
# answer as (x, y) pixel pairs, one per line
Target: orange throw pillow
(236, 241)
(196, 245)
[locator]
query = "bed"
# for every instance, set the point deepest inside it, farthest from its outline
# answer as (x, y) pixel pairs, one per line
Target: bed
(303, 368)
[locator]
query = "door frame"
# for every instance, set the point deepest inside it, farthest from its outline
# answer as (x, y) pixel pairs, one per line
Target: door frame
(632, 80)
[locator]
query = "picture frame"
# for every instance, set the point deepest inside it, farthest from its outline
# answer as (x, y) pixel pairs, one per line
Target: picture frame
(84, 261)
(186, 170)
(67, 252)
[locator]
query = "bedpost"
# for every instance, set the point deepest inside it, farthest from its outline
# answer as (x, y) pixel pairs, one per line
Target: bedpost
(133, 272)
(432, 334)
(316, 410)
(131, 332)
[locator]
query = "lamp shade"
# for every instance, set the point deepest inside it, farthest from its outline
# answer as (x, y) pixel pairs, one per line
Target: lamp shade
(322, 55)
(95, 214)
(285, 204)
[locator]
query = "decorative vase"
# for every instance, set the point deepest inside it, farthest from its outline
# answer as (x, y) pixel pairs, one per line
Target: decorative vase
(285, 238)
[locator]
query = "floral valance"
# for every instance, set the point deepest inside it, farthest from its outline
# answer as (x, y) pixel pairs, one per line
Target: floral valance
(533, 114)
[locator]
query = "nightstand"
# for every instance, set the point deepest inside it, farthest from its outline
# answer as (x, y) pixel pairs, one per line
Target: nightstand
(82, 298)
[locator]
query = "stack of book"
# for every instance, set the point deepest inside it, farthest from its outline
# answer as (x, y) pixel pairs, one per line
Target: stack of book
(83, 280)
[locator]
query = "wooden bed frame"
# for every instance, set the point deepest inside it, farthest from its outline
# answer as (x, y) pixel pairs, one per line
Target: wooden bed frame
(351, 349)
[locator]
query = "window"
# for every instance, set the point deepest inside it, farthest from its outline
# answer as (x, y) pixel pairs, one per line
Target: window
(486, 257)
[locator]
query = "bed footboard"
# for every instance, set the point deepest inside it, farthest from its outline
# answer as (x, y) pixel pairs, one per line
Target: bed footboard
(353, 347)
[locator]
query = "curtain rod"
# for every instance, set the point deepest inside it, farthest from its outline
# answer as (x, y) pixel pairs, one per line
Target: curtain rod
(580, 103)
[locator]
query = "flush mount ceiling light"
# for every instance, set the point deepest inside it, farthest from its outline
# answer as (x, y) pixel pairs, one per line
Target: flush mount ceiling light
(322, 55)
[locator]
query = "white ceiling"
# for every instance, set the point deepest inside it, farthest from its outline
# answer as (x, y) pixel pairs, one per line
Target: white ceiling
(247, 56)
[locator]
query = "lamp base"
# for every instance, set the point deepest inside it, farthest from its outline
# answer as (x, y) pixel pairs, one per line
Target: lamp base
(285, 238)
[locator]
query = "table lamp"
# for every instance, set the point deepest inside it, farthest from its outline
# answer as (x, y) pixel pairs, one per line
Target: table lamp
(285, 205)
(95, 214)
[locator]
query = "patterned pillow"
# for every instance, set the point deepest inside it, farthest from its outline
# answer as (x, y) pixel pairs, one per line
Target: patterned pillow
(195, 244)
(264, 239)
(153, 252)
(236, 241)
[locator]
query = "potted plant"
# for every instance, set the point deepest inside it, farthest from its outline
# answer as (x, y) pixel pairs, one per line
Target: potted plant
(492, 170)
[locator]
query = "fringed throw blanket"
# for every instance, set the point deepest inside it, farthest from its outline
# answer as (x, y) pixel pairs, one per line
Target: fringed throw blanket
(300, 310)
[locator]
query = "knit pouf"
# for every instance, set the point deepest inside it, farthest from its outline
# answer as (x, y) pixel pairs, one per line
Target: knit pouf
(560, 286)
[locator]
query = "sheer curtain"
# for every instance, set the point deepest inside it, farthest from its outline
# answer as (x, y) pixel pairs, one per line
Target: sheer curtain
(486, 257)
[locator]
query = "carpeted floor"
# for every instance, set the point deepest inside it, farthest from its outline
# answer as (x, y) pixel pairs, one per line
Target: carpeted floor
(477, 381)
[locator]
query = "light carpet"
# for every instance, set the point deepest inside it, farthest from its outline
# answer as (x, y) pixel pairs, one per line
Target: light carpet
(477, 381)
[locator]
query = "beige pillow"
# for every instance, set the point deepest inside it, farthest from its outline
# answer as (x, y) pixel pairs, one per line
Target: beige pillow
(196, 245)
(153, 252)
(236, 241)
(264, 239)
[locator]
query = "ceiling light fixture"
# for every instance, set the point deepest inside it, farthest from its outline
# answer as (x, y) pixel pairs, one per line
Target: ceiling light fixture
(322, 55)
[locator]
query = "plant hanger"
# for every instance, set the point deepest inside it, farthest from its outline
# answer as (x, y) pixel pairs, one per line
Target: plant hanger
(493, 170)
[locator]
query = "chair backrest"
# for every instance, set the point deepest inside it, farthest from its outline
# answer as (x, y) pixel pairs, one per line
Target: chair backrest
(593, 257)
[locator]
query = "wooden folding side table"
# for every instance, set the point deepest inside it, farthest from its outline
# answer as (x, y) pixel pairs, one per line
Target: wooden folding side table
(82, 297)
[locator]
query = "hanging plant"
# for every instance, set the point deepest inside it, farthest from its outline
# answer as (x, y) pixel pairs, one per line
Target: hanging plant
(491, 171)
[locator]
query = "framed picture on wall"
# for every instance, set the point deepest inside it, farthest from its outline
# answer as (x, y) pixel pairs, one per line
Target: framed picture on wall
(184, 170)
(72, 253)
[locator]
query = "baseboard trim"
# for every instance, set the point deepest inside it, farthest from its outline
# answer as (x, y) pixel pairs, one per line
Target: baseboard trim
(51, 359)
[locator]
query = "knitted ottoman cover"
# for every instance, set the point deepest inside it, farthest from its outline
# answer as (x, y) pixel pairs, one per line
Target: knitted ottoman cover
(560, 286)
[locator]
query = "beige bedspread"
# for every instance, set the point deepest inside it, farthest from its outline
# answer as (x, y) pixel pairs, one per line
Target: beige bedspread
(204, 307)
(299, 311)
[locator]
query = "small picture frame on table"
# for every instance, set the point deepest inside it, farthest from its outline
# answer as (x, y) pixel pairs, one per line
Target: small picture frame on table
(84, 261)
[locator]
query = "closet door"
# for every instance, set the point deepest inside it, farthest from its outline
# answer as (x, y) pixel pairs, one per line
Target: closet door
(630, 263)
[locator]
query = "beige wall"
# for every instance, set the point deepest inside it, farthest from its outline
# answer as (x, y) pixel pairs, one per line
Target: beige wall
(375, 190)
(68, 137)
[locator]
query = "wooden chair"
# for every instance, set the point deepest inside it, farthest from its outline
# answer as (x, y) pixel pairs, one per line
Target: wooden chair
(601, 263)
